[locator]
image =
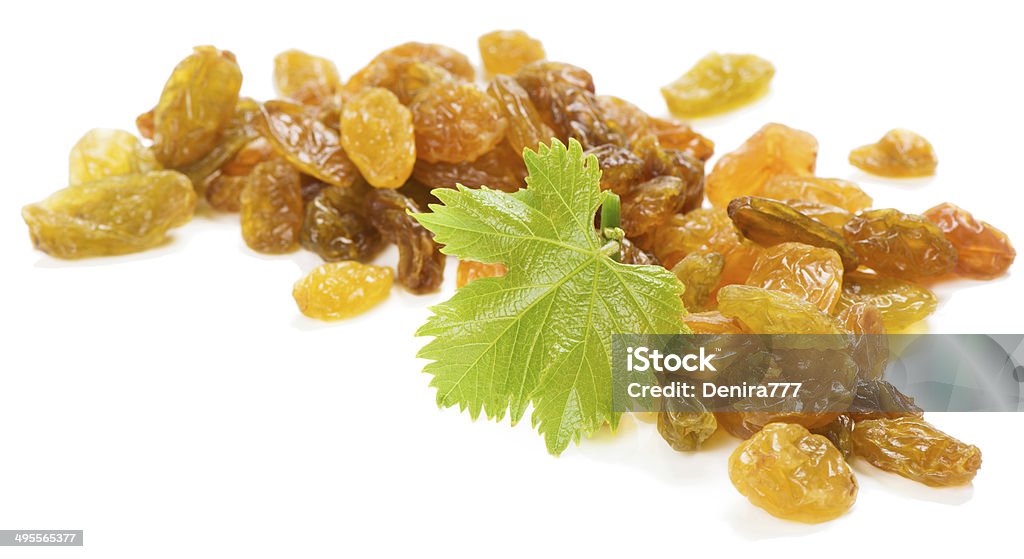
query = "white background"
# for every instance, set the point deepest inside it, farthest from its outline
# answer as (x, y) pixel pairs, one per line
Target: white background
(175, 403)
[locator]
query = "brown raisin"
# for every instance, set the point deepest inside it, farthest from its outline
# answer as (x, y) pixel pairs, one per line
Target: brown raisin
(896, 244)
(420, 262)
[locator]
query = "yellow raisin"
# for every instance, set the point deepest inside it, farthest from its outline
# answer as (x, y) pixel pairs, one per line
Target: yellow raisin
(378, 136)
(338, 290)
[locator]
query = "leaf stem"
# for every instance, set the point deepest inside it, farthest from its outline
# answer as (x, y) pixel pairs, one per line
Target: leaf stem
(611, 217)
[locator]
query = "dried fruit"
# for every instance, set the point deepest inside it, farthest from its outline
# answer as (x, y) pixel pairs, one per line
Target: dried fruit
(338, 290)
(104, 153)
(869, 346)
(713, 322)
(901, 303)
(700, 274)
(718, 83)
(111, 215)
(706, 230)
(624, 170)
(420, 262)
(449, 59)
(896, 244)
(811, 273)
(378, 136)
(271, 208)
(914, 449)
(456, 122)
(792, 474)
(900, 153)
(774, 312)
(196, 104)
(501, 168)
(768, 222)
(673, 134)
(469, 270)
(505, 52)
(983, 251)
(774, 150)
(834, 192)
(240, 130)
(685, 424)
(651, 203)
(660, 162)
(839, 432)
(144, 123)
(831, 216)
(304, 77)
(308, 143)
(224, 188)
(405, 77)
(564, 96)
(336, 228)
(526, 129)
(878, 399)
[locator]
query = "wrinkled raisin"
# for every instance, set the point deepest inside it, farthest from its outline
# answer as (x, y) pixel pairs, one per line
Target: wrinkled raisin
(420, 262)
(271, 208)
(378, 136)
(456, 122)
(792, 474)
(338, 290)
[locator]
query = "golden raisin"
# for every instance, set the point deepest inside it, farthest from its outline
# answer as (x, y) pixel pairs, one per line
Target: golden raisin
(338, 290)
(505, 52)
(706, 230)
(718, 83)
(792, 474)
(774, 150)
(378, 136)
(271, 208)
(811, 273)
(914, 449)
(111, 215)
(983, 251)
(308, 143)
(766, 311)
(108, 153)
(456, 122)
(197, 102)
(526, 129)
(834, 192)
(699, 274)
(713, 322)
(901, 303)
(900, 153)
(304, 77)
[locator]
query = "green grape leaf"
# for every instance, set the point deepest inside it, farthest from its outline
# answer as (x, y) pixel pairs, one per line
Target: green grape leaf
(542, 334)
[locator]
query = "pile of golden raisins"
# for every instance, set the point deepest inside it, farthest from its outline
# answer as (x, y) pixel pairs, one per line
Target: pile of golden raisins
(336, 167)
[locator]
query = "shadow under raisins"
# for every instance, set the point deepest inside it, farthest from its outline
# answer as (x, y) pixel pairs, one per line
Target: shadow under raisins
(752, 523)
